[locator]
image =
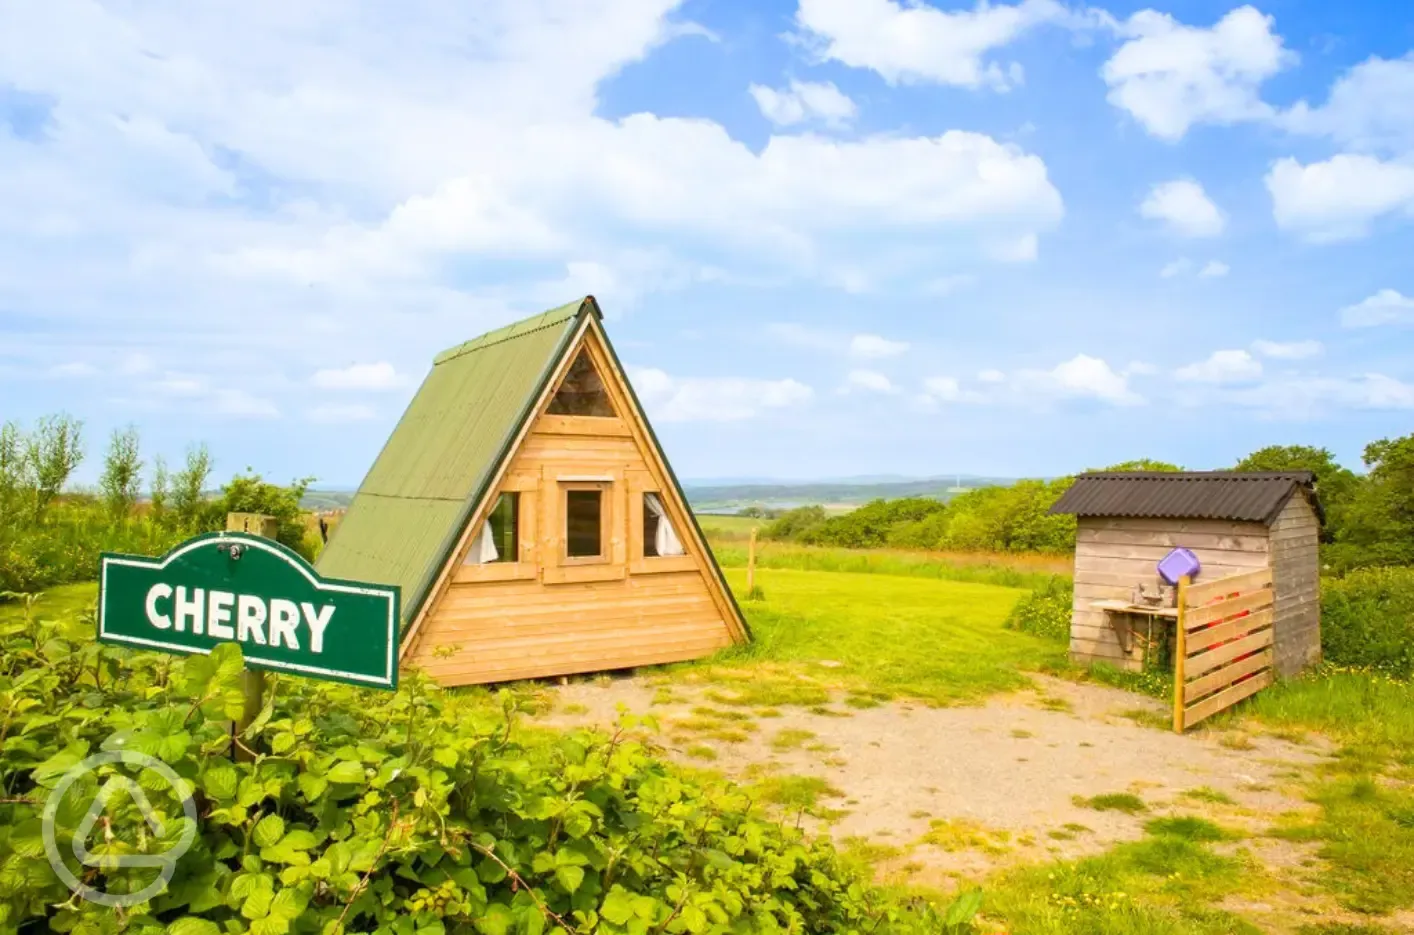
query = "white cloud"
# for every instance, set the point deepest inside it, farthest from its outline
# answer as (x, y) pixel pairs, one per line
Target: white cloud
(869, 381)
(801, 336)
(1386, 307)
(379, 376)
(943, 389)
(179, 385)
(301, 178)
(803, 101)
(1139, 368)
(243, 404)
(916, 43)
(873, 346)
(1170, 76)
(991, 376)
(135, 363)
(1176, 268)
(1368, 108)
(1233, 366)
(1291, 350)
(713, 399)
(1184, 207)
(1339, 198)
(1081, 377)
(337, 414)
(1214, 269)
(1308, 397)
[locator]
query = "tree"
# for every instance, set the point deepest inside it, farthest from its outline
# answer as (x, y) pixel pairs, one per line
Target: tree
(161, 484)
(1144, 464)
(122, 473)
(249, 493)
(12, 468)
(51, 453)
(188, 486)
(1335, 485)
(1379, 524)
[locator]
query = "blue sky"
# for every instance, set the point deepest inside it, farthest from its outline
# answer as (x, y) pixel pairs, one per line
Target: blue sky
(832, 237)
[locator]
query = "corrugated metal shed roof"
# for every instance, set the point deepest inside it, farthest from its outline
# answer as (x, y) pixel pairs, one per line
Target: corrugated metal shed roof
(412, 506)
(1228, 495)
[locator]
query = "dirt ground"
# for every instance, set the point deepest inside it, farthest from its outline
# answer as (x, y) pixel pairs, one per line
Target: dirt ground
(1005, 779)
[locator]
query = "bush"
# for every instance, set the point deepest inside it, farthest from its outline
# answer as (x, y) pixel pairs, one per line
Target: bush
(868, 527)
(1367, 620)
(420, 811)
(1045, 612)
(793, 523)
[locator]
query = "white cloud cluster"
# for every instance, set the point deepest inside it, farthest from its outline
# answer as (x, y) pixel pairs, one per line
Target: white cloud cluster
(1339, 198)
(377, 376)
(304, 179)
(804, 101)
(916, 43)
(1229, 366)
(1367, 113)
(1183, 206)
(869, 381)
(1170, 76)
(873, 346)
(1386, 307)
(1213, 269)
(1288, 350)
(713, 399)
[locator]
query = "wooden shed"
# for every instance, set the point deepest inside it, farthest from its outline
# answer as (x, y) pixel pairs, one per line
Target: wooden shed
(525, 508)
(1235, 522)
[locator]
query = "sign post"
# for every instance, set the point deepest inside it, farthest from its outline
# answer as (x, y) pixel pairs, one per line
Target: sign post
(252, 680)
(243, 588)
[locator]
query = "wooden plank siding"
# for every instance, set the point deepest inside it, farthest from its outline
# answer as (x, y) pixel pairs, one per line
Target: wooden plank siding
(1296, 577)
(1113, 554)
(573, 616)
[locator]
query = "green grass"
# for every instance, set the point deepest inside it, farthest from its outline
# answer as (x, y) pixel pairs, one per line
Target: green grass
(1188, 827)
(1164, 884)
(1126, 802)
(1366, 833)
(794, 792)
(1208, 794)
(69, 600)
(1012, 571)
(716, 526)
(941, 641)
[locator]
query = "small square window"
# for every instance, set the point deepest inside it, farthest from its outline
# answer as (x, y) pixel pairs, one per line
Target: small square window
(584, 523)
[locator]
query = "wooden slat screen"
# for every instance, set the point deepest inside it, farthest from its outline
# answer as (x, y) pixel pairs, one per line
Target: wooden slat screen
(1223, 650)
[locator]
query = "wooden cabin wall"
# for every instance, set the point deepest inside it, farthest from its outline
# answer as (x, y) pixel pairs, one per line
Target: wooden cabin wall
(1113, 554)
(1296, 575)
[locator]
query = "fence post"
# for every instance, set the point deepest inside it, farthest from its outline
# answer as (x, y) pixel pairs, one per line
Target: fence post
(1180, 653)
(751, 564)
(252, 680)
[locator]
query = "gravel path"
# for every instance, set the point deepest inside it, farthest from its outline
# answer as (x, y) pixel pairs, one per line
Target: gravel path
(1004, 776)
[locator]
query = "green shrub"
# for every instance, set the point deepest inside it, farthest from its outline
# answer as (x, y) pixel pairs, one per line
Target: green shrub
(1046, 611)
(793, 523)
(1367, 620)
(868, 526)
(420, 811)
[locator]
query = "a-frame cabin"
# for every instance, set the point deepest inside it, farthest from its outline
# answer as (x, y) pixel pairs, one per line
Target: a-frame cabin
(524, 506)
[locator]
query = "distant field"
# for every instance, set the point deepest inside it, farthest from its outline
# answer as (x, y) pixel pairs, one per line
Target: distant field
(1013, 570)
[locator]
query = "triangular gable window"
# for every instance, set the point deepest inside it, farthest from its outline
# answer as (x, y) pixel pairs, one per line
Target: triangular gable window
(582, 393)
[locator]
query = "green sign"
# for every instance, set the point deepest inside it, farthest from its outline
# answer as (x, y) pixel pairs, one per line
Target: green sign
(233, 587)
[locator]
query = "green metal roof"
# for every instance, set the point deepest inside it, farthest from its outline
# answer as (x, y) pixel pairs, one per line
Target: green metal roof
(434, 469)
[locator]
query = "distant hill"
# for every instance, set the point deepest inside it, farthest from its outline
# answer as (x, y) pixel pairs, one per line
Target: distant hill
(326, 499)
(727, 498)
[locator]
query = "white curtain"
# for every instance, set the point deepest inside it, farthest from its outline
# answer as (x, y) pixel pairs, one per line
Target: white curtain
(665, 540)
(483, 547)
